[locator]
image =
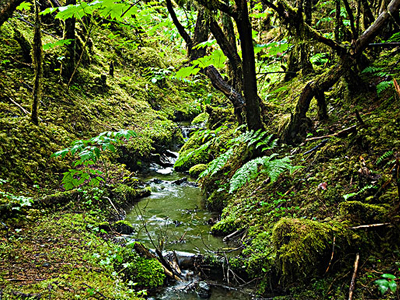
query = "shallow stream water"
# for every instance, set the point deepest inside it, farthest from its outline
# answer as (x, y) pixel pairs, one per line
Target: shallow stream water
(175, 215)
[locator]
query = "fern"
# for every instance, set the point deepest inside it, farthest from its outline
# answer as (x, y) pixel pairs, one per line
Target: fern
(217, 164)
(247, 172)
(273, 167)
(384, 156)
(394, 38)
(382, 86)
(347, 196)
(371, 69)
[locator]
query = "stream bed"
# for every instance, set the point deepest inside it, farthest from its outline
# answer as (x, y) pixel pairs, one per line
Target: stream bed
(175, 215)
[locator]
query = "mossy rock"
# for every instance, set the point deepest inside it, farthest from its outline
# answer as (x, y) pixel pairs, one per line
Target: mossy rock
(226, 226)
(218, 116)
(201, 118)
(147, 273)
(363, 213)
(302, 248)
(123, 227)
(149, 57)
(124, 194)
(196, 170)
(190, 158)
(218, 200)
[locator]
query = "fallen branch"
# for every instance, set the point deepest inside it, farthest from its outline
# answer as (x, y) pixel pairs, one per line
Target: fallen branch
(19, 106)
(343, 133)
(333, 253)
(370, 225)
(112, 204)
(233, 235)
(353, 278)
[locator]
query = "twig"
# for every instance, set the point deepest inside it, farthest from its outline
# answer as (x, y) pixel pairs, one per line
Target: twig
(333, 253)
(370, 225)
(353, 278)
(19, 106)
(112, 204)
(341, 133)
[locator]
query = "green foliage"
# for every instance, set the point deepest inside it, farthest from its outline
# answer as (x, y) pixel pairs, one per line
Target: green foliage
(183, 159)
(387, 282)
(347, 196)
(90, 152)
(57, 44)
(16, 201)
(384, 156)
(216, 59)
(273, 167)
(270, 165)
(157, 75)
(382, 86)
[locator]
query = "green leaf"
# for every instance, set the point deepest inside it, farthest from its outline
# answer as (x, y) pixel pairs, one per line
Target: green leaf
(57, 44)
(187, 71)
(388, 276)
(383, 285)
(393, 286)
(217, 164)
(24, 6)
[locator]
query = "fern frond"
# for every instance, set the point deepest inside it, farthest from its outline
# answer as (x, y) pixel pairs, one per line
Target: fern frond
(394, 38)
(243, 175)
(275, 167)
(382, 86)
(217, 164)
(384, 156)
(371, 69)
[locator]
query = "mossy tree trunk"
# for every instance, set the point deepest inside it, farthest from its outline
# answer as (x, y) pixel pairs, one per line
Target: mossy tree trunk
(299, 123)
(211, 72)
(38, 66)
(297, 128)
(253, 111)
(7, 7)
(69, 34)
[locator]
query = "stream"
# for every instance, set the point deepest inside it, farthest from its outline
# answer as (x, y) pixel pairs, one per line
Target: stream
(175, 215)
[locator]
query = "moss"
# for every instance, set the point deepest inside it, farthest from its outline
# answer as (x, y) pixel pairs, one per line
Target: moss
(363, 213)
(302, 247)
(218, 116)
(201, 118)
(190, 158)
(196, 170)
(147, 273)
(124, 194)
(123, 227)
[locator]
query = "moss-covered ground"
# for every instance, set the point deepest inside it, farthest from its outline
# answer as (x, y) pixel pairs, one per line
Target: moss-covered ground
(305, 229)
(54, 243)
(302, 232)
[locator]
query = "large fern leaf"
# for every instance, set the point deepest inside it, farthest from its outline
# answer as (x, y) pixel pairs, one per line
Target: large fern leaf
(217, 164)
(247, 172)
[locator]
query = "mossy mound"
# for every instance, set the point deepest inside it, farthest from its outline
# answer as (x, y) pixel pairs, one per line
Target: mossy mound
(363, 213)
(302, 247)
(147, 273)
(196, 170)
(124, 194)
(201, 118)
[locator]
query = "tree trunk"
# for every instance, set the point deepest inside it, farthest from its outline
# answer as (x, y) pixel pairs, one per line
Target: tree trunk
(70, 55)
(37, 62)
(253, 112)
(7, 7)
(297, 128)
